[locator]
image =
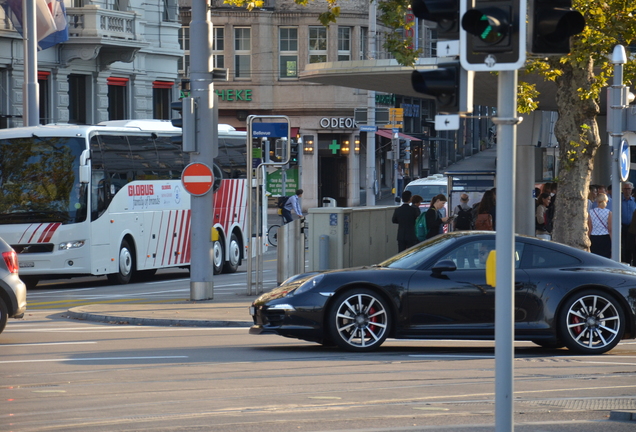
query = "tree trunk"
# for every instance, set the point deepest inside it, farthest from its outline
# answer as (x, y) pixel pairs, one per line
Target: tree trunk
(577, 132)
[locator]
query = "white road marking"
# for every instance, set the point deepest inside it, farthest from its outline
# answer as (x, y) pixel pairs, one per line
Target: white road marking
(47, 343)
(92, 359)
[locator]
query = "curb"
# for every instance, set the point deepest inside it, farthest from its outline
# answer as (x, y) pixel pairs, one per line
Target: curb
(623, 416)
(161, 322)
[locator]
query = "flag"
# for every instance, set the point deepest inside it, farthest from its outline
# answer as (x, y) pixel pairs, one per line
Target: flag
(50, 20)
(58, 12)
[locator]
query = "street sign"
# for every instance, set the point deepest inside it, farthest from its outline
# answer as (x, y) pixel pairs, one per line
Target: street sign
(625, 160)
(269, 130)
(368, 128)
(447, 122)
(197, 178)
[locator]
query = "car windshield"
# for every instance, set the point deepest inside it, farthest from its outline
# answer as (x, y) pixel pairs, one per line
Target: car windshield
(39, 180)
(427, 191)
(413, 258)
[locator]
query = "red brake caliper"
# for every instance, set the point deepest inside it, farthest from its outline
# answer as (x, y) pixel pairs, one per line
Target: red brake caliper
(577, 329)
(373, 328)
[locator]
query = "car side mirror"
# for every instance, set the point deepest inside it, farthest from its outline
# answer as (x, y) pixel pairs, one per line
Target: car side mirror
(444, 266)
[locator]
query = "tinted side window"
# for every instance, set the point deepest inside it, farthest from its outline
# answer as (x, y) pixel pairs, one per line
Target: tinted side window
(171, 159)
(540, 257)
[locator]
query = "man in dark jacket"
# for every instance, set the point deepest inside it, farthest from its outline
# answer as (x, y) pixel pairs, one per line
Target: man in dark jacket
(405, 216)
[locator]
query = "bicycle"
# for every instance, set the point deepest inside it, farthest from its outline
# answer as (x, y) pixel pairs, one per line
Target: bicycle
(272, 235)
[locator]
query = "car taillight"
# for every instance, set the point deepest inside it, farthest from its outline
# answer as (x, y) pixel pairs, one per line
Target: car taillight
(11, 259)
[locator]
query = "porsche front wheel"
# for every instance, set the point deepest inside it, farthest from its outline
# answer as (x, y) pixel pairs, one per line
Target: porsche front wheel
(359, 320)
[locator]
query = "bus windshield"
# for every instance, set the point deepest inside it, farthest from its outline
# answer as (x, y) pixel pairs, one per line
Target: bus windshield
(39, 180)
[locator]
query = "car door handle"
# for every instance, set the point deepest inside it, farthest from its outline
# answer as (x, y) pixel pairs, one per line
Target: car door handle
(519, 285)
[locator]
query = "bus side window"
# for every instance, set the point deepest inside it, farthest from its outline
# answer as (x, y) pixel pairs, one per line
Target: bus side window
(171, 160)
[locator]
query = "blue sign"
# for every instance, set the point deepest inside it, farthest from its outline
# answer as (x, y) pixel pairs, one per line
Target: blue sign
(368, 128)
(333, 219)
(269, 130)
(625, 160)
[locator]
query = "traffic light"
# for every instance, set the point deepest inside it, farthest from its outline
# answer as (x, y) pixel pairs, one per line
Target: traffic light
(493, 36)
(450, 84)
(405, 151)
(186, 108)
(552, 23)
(293, 155)
(444, 12)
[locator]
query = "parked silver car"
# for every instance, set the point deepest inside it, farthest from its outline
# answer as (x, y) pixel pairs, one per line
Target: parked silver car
(12, 289)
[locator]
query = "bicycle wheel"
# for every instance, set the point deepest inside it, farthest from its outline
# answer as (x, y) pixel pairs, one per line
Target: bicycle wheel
(272, 235)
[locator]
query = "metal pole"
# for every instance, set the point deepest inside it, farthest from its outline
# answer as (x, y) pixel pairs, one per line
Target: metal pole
(31, 101)
(396, 156)
(371, 174)
(202, 214)
(617, 96)
(505, 247)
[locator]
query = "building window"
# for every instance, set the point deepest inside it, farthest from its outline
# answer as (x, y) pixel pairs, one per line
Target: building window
(364, 43)
(288, 46)
(77, 91)
(161, 98)
(317, 44)
(43, 84)
(344, 43)
(242, 52)
(218, 47)
(117, 98)
(170, 10)
(184, 44)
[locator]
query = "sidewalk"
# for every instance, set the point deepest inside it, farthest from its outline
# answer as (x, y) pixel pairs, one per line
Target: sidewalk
(208, 313)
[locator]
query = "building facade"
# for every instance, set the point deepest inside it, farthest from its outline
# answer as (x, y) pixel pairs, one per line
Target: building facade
(120, 62)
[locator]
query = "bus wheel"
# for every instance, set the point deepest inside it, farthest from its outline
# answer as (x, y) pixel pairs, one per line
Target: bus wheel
(126, 266)
(218, 257)
(234, 260)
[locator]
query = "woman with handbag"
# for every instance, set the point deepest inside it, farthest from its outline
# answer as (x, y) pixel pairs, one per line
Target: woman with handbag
(598, 224)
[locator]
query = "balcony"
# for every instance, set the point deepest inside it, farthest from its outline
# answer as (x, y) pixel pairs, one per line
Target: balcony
(110, 34)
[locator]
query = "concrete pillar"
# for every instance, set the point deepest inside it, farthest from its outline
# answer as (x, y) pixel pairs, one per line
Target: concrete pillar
(527, 137)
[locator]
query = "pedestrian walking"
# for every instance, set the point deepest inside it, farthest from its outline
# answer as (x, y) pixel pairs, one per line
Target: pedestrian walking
(599, 223)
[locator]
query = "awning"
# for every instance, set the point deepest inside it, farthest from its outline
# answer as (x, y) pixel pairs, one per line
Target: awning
(387, 133)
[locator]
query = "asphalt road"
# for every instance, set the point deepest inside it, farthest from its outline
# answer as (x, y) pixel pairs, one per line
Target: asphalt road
(67, 375)
(60, 374)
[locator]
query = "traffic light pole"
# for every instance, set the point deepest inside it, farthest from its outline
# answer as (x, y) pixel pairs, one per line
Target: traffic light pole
(505, 247)
(617, 103)
(202, 207)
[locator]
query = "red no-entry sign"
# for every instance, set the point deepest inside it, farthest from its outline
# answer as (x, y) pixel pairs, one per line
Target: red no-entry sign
(197, 178)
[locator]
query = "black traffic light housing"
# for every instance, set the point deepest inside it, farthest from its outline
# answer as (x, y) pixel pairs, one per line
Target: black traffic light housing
(444, 12)
(494, 36)
(186, 108)
(450, 84)
(293, 156)
(552, 23)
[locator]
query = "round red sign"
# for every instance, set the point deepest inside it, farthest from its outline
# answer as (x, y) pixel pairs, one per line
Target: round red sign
(197, 178)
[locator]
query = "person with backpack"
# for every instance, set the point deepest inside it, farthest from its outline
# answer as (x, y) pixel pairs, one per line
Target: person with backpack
(405, 216)
(463, 214)
(485, 220)
(289, 204)
(433, 219)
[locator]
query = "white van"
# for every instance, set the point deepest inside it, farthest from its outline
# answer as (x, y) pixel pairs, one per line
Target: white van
(428, 187)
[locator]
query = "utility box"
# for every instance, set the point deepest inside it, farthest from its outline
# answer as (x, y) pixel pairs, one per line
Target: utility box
(356, 236)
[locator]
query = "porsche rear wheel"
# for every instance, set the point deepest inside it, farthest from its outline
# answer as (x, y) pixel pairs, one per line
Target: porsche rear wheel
(359, 320)
(591, 322)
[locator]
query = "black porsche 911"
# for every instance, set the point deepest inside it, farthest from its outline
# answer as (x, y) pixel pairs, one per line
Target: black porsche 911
(437, 290)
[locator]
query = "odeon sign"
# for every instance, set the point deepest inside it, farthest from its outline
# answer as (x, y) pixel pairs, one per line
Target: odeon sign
(338, 123)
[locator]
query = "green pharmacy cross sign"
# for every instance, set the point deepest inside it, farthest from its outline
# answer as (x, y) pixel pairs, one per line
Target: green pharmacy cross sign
(334, 146)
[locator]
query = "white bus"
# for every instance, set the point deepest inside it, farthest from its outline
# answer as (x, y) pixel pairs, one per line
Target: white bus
(108, 199)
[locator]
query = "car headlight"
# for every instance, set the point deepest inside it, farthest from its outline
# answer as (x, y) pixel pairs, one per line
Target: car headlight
(308, 284)
(72, 245)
